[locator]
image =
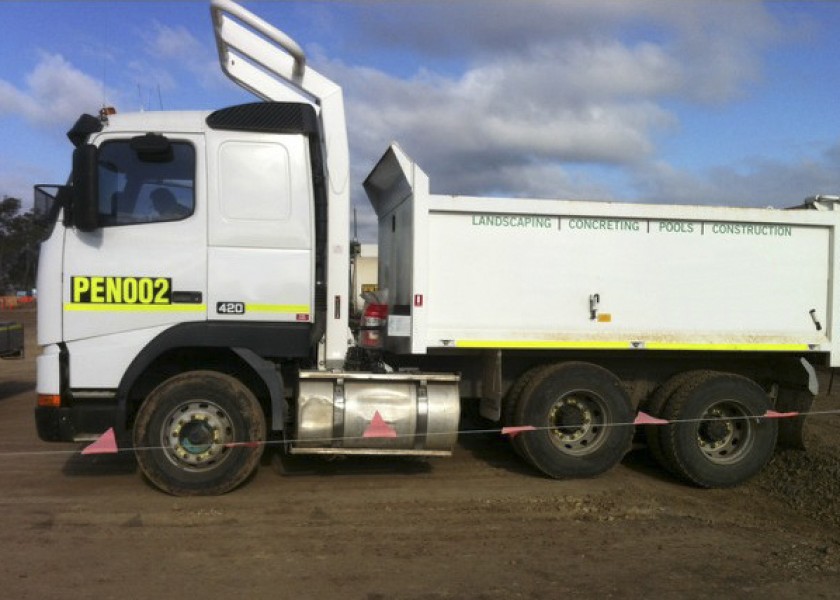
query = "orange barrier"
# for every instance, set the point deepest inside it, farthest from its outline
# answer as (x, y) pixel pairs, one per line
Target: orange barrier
(12, 302)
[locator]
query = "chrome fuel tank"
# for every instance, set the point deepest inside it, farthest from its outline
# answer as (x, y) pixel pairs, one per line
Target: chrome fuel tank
(363, 413)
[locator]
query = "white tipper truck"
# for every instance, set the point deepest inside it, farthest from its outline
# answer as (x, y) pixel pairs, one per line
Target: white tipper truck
(194, 296)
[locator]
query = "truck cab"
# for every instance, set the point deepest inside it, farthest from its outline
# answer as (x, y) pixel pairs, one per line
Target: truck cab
(182, 225)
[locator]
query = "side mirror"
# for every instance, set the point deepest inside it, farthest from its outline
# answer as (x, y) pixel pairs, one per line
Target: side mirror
(85, 208)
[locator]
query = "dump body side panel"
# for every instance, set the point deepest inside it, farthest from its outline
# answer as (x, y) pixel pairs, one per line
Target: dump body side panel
(553, 274)
(652, 278)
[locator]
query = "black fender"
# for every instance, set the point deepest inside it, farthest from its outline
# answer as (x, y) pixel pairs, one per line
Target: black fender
(273, 382)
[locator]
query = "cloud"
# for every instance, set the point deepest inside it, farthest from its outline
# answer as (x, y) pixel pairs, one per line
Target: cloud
(572, 82)
(470, 130)
(754, 183)
(17, 179)
(474, 136)
(720, 46)
(172, 43)
(716, 45)
(56, 93)
(176, 49)
(520, 99)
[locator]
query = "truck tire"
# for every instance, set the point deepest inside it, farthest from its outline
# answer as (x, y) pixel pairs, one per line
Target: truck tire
(583, 418)
(184, 430)
(654, 407)
(732, 445)
(511, 402)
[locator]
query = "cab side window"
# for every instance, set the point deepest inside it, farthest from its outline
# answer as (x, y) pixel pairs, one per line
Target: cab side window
(133, 190)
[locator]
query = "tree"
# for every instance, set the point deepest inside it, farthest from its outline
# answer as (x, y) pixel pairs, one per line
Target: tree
(20, 238)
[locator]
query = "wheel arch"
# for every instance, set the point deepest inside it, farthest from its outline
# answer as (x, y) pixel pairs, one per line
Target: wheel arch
(189, 347)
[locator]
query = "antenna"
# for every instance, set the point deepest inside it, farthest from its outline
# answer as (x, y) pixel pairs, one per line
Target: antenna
(160, 98)
(104, 76)
(106, 22)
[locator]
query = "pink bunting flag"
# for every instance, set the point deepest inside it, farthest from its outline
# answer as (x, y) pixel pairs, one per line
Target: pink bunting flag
(106, 444)
(772, 414)
(378, 428)
(514, 431)
(645, 419)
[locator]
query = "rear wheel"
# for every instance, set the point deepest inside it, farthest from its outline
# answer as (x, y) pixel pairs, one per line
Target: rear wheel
(654, 407)
(723, 439)
(583, 418)
(195, 434)
(511, 402)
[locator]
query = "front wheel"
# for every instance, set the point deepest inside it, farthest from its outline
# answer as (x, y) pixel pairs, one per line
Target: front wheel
(199, 433)
(583, 418)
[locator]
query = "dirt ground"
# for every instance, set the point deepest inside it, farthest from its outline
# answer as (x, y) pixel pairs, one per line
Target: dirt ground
(480, 525)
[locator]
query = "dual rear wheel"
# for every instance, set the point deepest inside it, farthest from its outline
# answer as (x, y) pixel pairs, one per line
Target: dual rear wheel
(716, 436)
(577, 409)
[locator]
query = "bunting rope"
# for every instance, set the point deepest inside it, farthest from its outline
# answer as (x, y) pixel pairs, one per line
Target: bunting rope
(380, 429)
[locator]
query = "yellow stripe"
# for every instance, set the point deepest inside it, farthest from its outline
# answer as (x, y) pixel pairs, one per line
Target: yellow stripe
(728, 347)
(294, 309)
(274, 308)
(628, 345)
(11, 327)
(104, 307)
(545, 345)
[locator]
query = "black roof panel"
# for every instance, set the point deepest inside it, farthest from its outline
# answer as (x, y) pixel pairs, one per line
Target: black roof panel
(266, 117)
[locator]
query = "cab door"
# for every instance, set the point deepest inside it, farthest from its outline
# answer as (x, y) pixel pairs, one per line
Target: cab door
(145, 266)
(260, 254)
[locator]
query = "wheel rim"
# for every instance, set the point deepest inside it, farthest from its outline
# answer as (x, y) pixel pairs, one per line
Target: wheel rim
(195, 435)
(577, 422)
(726, 432)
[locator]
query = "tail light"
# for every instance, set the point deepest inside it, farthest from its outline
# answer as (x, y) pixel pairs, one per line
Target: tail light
(372, 326)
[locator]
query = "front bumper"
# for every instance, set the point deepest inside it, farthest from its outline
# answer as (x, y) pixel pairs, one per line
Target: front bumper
(81, 422)
(69, 416)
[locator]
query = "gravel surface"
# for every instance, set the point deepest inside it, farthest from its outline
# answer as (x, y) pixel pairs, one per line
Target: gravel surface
(479, 525)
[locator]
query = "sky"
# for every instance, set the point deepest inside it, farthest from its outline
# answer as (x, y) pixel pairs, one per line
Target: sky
(726, 102)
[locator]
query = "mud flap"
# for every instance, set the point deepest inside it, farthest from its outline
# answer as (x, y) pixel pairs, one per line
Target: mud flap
(491, 386)
(792, 430)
